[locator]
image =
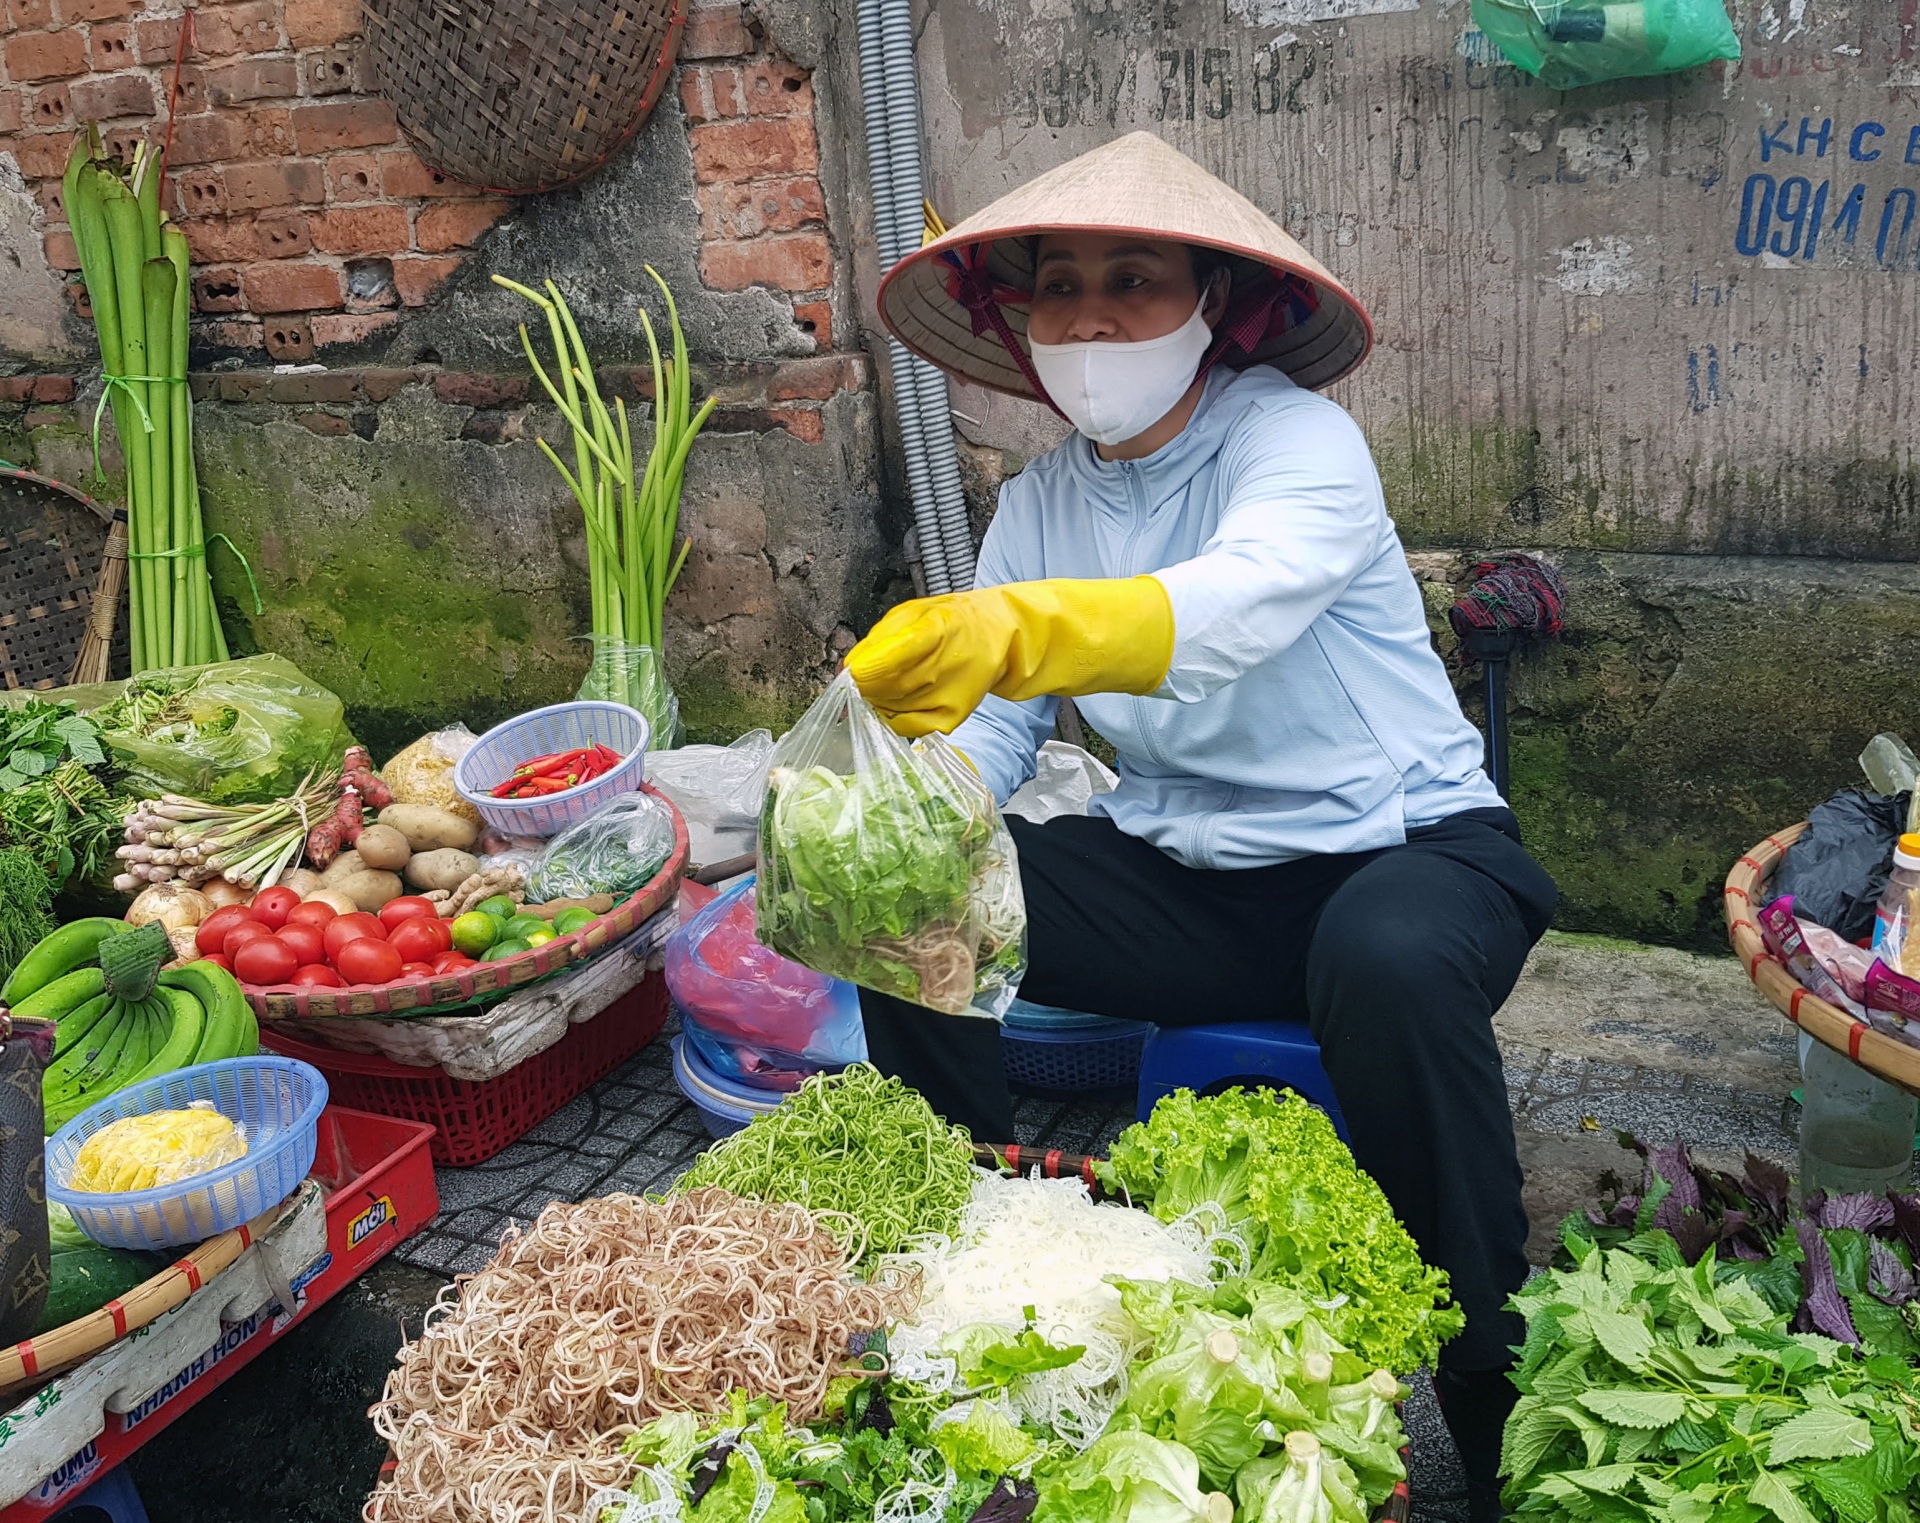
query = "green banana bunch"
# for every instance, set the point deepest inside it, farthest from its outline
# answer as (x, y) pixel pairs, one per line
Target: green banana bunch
(119, 1019)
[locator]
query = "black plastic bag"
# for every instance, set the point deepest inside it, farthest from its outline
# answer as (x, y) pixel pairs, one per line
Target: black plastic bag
(1837, 870)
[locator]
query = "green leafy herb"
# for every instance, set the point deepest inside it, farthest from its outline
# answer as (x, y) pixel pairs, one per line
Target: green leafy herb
(26, 907)
(864, 1150)
(68, 820)
(1653, 1389)
(1288, 1187)
(1026, 1353)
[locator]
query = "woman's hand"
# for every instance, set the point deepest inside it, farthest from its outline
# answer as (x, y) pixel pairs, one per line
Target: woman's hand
(927, 664)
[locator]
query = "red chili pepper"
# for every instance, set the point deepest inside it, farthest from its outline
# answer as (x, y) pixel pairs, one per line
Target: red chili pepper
(534, 764)
(539, 787)
(568, 762)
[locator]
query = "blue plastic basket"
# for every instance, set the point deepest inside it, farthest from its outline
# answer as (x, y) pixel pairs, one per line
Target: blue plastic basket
(490, 761)
(277, 1100)
(1086, 1057)
(724, 1106)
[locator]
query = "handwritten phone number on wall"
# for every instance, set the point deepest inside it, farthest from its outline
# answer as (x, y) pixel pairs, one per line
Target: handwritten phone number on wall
(1788, 219)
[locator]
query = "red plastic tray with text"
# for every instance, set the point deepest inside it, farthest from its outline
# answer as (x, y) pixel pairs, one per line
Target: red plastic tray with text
(380, 1190)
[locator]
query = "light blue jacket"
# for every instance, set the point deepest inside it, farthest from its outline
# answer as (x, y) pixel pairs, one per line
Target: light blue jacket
(1305, 710)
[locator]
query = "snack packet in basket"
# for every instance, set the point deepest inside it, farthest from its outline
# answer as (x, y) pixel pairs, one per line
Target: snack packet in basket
(887, 864)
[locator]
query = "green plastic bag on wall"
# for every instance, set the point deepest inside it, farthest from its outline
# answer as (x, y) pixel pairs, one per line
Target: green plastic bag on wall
(1570, 43)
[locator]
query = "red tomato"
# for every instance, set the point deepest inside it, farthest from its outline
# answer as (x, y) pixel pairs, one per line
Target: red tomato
(367, 960)
(271, 906)
(346, 928)
(417, 969)
(317, 976)
(421, 940)
(265, 960)
(451, 962)
(316, 914)
(407, 907)
(212, 935)
(242, 933)
(218, 959)
(307, 943)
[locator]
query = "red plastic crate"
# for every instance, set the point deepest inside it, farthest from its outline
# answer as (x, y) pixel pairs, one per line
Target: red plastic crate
(473, 1120)
(380, 1190)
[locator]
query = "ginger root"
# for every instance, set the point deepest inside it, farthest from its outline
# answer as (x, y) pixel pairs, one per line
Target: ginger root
(479, 887)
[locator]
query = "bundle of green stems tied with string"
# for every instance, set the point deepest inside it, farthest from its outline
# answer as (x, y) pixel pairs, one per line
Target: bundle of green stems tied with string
(631, 519)
(134, 263)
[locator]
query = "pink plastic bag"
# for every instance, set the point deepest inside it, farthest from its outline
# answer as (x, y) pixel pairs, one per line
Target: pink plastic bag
(752, 1013)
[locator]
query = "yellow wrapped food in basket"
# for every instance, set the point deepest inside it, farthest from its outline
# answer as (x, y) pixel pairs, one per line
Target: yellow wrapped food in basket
(142, 1152)
(423, 772)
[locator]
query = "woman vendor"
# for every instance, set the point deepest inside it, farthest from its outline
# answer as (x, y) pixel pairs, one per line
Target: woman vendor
(1302, 828)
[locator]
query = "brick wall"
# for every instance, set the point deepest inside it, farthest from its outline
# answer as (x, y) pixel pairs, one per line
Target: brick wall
(310, 220)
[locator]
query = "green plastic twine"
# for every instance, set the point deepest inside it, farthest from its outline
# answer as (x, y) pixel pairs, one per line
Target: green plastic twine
(195, 552)
(125, 383)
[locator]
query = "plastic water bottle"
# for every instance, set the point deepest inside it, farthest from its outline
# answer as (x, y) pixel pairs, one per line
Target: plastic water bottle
(1856, 1131)
(1899, 904)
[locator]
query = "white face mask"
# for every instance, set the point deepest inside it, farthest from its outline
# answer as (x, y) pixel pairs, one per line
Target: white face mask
(1113, 392)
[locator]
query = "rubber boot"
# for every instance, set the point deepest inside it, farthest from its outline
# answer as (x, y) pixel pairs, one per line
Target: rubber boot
(1475, 1404)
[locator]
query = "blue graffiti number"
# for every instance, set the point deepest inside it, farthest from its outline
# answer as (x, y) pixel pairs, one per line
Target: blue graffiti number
(1787, 218)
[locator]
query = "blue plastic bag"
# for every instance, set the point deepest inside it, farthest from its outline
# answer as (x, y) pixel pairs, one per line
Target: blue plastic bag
(751, 1013)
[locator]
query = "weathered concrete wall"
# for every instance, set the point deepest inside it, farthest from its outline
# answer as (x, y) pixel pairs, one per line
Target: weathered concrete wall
(1601, 337)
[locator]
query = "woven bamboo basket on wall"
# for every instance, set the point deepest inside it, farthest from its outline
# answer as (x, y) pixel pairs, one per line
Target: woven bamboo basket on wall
(520, 96)
(53, 544)
(1747, 890)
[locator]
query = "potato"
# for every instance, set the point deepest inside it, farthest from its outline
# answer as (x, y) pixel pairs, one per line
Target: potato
(302, 880)
(383, 847)
(369, 889)
(445, 868)
(342, 905)
(343, 866)
(430, 829)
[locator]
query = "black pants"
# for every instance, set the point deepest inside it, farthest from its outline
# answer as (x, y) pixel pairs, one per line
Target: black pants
(1397, 959)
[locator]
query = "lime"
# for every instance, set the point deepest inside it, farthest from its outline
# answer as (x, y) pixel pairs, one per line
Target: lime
(474, 932)
(568, 921)
(502, 949)
(522, 926)
(539, 938)
(499, 906)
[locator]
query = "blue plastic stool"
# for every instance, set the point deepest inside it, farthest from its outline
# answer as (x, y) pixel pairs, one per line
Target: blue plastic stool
(1279, 1054)
(111, 1499)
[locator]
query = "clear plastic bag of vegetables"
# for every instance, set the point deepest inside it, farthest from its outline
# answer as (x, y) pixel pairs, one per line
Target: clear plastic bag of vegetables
(887, 864)
(235, 732)
(615, 850)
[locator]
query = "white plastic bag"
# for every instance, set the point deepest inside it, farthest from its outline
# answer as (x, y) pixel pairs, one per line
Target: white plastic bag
(1065, 780)
(887, 864)
(717, 790)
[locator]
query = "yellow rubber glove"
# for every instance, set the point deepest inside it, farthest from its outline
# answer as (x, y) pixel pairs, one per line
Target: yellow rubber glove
(928, 663)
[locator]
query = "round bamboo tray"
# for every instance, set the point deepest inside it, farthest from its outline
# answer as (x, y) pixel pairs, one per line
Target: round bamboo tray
(29, 1362)
(1745, 891)
(285, 1003)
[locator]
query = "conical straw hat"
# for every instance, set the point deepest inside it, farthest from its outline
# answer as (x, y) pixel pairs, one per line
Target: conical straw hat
(1316, 332)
